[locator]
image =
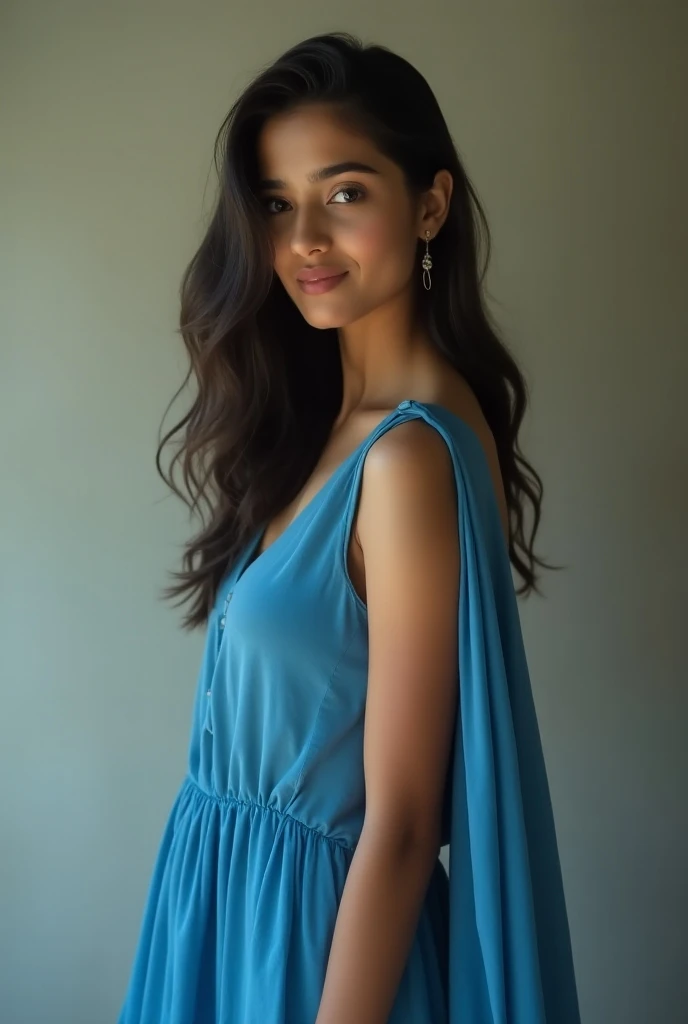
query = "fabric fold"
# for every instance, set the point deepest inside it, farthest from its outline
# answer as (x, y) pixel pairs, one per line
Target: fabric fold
(510, 957)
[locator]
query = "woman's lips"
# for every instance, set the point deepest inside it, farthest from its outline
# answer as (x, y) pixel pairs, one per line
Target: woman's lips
(323, 284)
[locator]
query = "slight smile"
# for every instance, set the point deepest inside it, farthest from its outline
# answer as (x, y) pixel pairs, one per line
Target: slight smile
(321, 284)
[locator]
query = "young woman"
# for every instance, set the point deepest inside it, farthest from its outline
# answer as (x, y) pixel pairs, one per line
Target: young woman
(364, 697)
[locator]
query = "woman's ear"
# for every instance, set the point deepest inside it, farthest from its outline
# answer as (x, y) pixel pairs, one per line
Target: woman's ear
(434, 206)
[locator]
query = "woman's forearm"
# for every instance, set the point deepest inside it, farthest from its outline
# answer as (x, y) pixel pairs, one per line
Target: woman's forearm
(376, 923)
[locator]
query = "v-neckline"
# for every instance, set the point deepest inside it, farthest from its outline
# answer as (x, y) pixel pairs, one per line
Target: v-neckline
(253, 559)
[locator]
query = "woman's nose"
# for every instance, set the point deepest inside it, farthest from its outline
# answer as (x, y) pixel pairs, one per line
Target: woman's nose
(308, 234)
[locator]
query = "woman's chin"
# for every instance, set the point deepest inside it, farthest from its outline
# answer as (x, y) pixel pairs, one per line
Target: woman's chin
(324, 319)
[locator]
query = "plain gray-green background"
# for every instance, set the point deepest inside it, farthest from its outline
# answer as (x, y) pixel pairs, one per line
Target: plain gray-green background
(571, 119)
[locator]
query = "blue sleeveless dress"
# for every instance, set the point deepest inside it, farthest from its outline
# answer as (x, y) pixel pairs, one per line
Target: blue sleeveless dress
(252, 864)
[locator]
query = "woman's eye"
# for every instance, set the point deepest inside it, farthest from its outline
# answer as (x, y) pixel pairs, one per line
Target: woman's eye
(350, 191)
(351, 194)
(267, 202)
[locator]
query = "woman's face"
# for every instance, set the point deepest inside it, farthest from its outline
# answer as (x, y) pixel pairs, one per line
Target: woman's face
(335, 205)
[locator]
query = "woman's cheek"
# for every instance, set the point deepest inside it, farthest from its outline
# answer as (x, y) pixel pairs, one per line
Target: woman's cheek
(372, 238)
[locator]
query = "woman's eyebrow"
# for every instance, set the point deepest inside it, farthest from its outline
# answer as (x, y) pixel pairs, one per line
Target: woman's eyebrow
(325, 172)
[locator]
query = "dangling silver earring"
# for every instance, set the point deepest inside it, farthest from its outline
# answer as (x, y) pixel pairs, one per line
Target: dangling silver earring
(427, 264)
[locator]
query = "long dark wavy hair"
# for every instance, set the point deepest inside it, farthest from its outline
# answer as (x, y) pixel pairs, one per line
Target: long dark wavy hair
(268, 386)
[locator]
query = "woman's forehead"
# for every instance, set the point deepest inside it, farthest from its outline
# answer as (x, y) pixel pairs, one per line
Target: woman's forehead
(304, 143)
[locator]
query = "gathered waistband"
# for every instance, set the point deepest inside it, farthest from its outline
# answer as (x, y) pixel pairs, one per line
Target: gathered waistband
(229, 800)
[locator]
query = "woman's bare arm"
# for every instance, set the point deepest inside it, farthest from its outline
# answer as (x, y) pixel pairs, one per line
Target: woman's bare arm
(407, 528)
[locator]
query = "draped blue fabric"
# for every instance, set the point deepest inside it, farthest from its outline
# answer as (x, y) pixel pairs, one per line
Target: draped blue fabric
(253, 861)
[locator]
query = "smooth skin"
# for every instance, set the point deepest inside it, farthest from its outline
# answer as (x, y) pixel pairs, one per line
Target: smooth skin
(404, 553)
